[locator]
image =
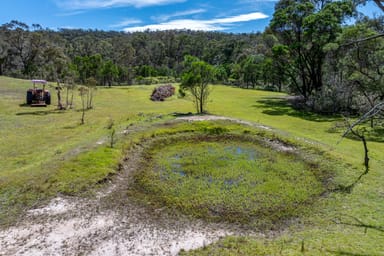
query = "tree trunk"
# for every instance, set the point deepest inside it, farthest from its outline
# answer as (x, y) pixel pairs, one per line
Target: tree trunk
(67, 99)
(71, 102)
(366, 158)
(379, 4)
(83, 112)
(59, 104)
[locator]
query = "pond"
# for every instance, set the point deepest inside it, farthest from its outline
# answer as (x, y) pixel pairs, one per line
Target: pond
(233, 180)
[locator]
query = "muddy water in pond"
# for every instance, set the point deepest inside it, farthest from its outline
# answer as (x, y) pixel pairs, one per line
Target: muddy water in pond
(229, 178)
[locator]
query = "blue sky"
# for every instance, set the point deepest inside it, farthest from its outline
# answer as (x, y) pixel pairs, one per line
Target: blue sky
(235, 16)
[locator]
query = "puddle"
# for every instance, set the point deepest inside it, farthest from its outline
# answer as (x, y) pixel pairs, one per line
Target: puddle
(229, 154)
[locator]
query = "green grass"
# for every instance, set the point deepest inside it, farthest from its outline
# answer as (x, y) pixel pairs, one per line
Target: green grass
(323, 243)
(44, 152)
(85, 170)
(231, 177)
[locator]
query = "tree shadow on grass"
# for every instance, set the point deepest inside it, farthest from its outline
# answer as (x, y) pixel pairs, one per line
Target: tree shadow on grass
(284, 106)
(123, 87)
(71, 127)
(40, 113)
(344, 253)
(180, 114)
(375, 135)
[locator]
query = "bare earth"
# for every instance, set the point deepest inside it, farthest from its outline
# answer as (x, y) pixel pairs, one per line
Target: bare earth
(70, 226)
(110, 224)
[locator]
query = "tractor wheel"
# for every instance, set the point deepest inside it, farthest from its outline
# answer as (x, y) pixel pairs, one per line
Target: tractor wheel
(29, 97)
(47, 98)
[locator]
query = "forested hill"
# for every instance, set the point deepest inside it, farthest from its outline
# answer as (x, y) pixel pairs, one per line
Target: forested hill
(35, 52)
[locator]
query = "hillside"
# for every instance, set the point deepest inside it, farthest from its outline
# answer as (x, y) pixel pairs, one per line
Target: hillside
(46, 153)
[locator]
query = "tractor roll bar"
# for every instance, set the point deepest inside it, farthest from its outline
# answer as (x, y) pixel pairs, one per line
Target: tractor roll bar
(39, 81)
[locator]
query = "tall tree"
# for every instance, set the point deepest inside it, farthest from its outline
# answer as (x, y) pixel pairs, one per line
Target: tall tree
(379, 3)
(88, 66)
(251, 69)
(279, 66)
(25, 46)
(3, 54)
(109, 72)
(363, 63)
(196, 78)
(306, 27)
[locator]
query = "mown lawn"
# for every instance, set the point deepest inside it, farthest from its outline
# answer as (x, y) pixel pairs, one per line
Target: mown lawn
(44, 151)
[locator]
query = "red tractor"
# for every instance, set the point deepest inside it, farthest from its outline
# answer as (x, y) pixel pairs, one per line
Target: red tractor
(38, 97)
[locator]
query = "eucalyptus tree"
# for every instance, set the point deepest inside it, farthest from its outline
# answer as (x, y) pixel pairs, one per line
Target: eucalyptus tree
(306, 27)
(109, 73)
(363, 63)
(83, 93)
(88, 66)
(195, 79)
(379, 3)
(251, 69)
(3, 54)
(281, 69)
(25, 46)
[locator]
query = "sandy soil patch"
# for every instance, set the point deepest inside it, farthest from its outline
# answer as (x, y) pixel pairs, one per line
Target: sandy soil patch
(111, 224)
(74, 226)
(213, 118)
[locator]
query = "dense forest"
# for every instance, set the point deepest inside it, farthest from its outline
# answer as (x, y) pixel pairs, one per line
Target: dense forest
(310, 49)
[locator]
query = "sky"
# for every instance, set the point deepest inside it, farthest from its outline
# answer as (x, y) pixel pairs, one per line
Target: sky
(234, 16)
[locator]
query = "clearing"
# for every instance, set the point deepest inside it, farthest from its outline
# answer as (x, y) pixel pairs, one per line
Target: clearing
(64, 190)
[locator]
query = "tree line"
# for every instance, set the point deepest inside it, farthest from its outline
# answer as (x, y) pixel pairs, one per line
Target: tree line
(309, 49)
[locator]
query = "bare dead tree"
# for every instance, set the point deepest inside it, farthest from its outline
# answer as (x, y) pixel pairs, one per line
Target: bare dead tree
(359, 223)
(362, 40)
(83, 91)
(59, 88)
(376, 111)
(359, 131)
(70, 87)
(380, 4)
(91, 85)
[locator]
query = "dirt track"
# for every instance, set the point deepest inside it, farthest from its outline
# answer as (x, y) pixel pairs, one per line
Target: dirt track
(108, 224)
(111, 223)
(70, 226)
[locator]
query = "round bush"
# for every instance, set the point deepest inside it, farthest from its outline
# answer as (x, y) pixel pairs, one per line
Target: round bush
(162, 92)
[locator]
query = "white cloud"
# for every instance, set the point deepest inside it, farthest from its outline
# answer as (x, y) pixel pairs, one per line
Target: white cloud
(163, 18)
(67, 27)
(241, 18)
(203, 25)
(74, 13)
(126, 22)
(95, 4)
(177, 24)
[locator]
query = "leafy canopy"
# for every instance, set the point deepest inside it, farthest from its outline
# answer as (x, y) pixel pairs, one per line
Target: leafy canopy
(195, 79)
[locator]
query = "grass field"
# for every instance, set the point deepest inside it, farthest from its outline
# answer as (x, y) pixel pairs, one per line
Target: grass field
(233, 177)
(45, 152)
